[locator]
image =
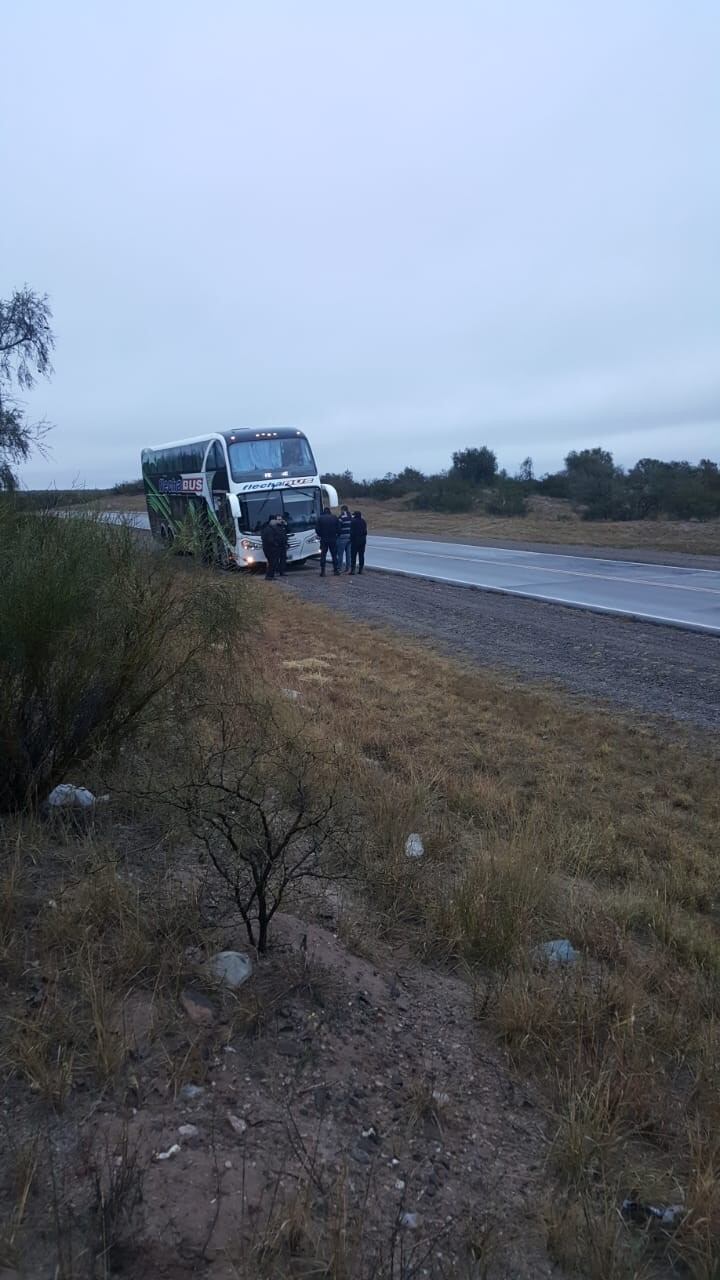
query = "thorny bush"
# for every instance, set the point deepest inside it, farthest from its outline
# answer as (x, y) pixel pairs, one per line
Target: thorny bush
(267, 808)
(95, 629)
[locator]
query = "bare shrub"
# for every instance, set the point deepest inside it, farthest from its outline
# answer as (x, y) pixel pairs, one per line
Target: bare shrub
(265, 806)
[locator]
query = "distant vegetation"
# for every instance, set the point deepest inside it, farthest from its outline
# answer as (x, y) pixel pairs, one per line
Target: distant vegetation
(590, 480)
(47, 499)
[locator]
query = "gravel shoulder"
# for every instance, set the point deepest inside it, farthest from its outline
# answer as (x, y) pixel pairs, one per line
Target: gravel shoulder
(655, 670)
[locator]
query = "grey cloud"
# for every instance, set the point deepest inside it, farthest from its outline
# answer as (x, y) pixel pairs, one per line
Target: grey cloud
(405, 228)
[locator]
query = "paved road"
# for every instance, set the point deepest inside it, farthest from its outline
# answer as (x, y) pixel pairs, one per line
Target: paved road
(681, 597)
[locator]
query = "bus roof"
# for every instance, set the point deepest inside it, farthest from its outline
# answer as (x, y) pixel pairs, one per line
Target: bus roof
(240, 433)
(273, 433)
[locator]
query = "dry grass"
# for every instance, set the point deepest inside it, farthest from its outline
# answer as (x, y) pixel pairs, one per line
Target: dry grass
(547, 521)
(309, 1231)
(543, 819)
(81, 939)
(120, 502)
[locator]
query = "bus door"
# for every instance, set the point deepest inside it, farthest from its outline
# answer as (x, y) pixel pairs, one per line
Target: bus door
(218, 484)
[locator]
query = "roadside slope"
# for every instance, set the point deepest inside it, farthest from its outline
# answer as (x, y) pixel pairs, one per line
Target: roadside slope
(650, 669)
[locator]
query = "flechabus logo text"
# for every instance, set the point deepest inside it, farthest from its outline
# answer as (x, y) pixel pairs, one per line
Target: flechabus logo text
(191, 484)
(259, 485)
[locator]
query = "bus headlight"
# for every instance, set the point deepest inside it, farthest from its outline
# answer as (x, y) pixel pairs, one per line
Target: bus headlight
(248, 545)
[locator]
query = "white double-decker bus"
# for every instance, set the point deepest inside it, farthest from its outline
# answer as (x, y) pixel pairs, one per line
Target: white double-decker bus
(214, 493)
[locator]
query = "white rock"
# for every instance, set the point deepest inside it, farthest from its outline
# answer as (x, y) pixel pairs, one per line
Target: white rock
(232, 967)
(188, 1131)
(67, 796)
(414, 847)
(292, 694)
(171, 1151)
(442, 1099)
(191, 1092)
(411, 1221)
(556, 953)
(237, 1125)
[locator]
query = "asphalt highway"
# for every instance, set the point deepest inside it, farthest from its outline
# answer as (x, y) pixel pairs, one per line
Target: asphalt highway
(680, 597)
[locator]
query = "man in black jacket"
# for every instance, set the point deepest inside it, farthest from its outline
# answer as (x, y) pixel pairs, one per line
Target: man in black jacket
(327, 529)
(358, 539)
(282, 528)
(273, 541)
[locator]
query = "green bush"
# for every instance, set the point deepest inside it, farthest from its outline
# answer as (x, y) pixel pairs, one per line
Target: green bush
(508, 498)
(475, 466)
(95, 628)
(441, 494)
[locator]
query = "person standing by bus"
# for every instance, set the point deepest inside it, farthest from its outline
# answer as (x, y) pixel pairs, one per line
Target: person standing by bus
(327, 528)
(271, 537)
(343, 544)
(358, 539)
(282, 527)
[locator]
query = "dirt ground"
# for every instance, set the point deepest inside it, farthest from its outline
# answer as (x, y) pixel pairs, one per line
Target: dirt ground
(349, 1116)
(342, 1077)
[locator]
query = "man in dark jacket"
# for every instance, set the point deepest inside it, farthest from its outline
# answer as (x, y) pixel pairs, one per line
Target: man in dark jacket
(272, 538)
(358, 538)
(327, 529)
(282, 526)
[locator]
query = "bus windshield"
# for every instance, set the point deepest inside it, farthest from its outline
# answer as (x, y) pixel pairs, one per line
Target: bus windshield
(301, 508)
(258, 459)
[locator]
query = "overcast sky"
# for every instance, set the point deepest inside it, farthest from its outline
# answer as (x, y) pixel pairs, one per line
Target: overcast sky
(403, 227)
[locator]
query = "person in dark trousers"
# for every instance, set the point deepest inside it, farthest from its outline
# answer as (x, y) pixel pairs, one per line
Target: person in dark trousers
(282, 526)
(358, 538)
(327, 528)
(343, 553)
(272, 538)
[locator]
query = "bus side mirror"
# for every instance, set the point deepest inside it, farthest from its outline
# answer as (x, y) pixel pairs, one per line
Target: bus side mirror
(330, 496)
(234, 504)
